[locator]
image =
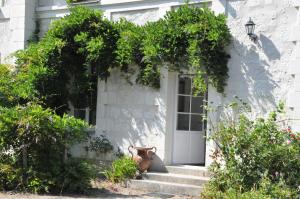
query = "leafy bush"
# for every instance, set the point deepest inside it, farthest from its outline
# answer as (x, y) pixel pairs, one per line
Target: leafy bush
(34, 150)
(101, 144)
(273, 191)
(12, 91)
(265, 189)
(121, 170)
(255, 155)
(77, 176)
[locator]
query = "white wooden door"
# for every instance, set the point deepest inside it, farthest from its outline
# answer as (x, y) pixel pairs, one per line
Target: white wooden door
(189, 131)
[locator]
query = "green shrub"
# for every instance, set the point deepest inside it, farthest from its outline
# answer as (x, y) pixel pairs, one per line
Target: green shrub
(35, 141)
(77, 176)
(34, 145)
(255, 154)
(12, 92)
(121, 170)
(101, 144)
(9, 176)
(265, 190)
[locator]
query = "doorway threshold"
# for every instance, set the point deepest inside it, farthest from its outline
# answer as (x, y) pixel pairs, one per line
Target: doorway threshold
(188, 165)
(188, 170)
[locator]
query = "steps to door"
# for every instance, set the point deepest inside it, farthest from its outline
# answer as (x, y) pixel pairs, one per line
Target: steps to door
(178, 180)
(188, 170)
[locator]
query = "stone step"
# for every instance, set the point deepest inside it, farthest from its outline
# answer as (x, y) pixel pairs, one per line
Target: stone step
(165, 187)
(188, 170)
(176, 178)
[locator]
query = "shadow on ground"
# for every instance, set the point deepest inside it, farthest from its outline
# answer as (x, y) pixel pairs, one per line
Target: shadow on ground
(104, 193)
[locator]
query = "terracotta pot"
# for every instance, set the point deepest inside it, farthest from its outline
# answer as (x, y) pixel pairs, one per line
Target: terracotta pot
(143, 158)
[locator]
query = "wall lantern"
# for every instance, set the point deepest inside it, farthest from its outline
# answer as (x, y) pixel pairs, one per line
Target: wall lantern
(250, 27)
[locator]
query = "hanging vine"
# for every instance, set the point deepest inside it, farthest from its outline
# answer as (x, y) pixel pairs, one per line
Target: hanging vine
(84, 45)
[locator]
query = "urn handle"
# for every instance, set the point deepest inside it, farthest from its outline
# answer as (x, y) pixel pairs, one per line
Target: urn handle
(154, 148)
(151, 153)
(130, 150)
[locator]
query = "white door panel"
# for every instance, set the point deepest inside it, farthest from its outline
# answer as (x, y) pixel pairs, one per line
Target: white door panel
(181, 150)
(197, 147)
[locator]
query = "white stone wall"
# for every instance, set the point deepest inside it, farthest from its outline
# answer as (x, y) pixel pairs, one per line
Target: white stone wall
(132, 114)
(294, 67)
(259, 72)
(263, 73)
(139, 17)
(17, 22)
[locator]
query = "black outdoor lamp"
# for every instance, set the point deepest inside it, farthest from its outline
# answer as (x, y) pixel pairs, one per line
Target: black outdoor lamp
(250, 27)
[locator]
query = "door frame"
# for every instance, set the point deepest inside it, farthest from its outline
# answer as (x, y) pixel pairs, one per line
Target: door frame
(174, 120)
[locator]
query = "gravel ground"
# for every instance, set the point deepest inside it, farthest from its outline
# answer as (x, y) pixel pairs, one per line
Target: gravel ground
(105, 190)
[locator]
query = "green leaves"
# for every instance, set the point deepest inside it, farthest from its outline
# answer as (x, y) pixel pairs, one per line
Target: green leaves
(255, 154)
(101, 145)
(192, 38)
(84, 46)
(189, 36)
(122, 169)
(45, 137)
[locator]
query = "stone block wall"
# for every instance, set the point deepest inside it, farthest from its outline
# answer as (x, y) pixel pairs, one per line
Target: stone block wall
(264, 72)
(294, 68)
(260, 72)
(17, 22)
(131, 114)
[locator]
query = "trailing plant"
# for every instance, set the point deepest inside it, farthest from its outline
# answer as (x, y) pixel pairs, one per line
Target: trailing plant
(101, 144)
(258, 155)
(121, 170)
(65, 64)
(191, 39)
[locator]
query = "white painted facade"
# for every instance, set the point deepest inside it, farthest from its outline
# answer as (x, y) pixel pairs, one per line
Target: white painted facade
(17, 22)
(261, 73)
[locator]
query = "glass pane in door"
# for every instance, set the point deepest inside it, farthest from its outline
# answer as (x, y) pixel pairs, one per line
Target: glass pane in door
(185, 85)
(183, 122)
(196, 123)
(197, 103)
(184, 104)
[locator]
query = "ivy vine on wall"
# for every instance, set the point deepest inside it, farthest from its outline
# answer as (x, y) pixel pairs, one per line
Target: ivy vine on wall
(83, 46)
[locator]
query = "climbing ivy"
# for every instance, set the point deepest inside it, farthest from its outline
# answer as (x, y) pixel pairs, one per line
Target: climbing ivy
(66, 63)
(190, 39)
